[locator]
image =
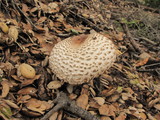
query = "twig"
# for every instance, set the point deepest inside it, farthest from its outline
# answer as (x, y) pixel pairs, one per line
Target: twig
(87, 21)
(55, 109)
(14, 4)
(64, 102)
(148, 40)
(130, 38)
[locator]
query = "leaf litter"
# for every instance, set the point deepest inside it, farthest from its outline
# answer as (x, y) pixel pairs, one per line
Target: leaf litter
(30, 29)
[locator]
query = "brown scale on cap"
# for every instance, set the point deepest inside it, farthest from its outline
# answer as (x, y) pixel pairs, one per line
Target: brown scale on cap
(79, 59)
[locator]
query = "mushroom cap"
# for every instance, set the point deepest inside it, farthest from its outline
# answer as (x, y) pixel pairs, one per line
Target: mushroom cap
(79, 59)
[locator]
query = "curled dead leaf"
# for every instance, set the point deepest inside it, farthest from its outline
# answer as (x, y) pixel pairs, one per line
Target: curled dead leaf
(143, 116)
(54, 116)
(54, 84)
(11, 104)
(28, 91)
(26, 71)
(153, 102)
(122, 116)
(108, 110)
(157, 106)
(5, 90)
(105, 118)
(82, 101)
(38, 106)
(5, 110)
(4, 27)
(113, 98)
(93, 104)
(99, 100)
(13, 34)
(107, 92)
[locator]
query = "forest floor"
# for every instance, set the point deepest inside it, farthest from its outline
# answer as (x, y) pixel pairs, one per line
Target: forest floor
(130, 90)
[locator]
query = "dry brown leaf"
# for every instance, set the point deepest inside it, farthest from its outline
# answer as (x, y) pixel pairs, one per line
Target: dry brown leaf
(93, 104)
(93, 112)
(28, 91)
(23, 99)
(119, 36)
(99, 100)
(46, 47)
(53, 7)
(54, 84)
(85, 89)
(42, 19)
(150, 117)
(108, 110)
(25, 8)
(54, 116)
(122, 116)
(92, 91)
(26, 82)
(153, 102)
(144, 55)
(126, 96)
(15, 77)
(113, 98)
(26, 71)
(157, 106)
(143, 116)
(142, 62)
(105, 118)
(7, 67)
(5, 110)
(39, 110)
(60, 115)
(27, 27)
(4, 27)
(72, 96)
(13, 34)
(128, 90)
(82, 101)
(157, 116)
(107, 92)
(11, 104)
(37, 105)
(5, 88)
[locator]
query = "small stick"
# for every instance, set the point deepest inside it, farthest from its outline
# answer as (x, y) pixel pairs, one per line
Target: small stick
(64, 102)
(15, 5)
(132, 41)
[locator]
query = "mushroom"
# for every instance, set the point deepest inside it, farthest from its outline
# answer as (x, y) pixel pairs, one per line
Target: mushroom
(79, 59)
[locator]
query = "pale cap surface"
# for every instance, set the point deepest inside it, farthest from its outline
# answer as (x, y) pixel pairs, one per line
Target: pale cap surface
(79, 59)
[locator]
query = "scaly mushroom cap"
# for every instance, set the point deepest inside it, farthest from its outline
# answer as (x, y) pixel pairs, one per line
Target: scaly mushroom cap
(78, 59)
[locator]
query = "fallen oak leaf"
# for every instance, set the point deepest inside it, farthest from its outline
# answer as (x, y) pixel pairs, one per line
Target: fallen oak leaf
(38, 106)
(30, 81)
(82, 101)
(4, 27)
(5, 88)
(142, 62)
(122, 116)
(108, 110)
(5, 110)
(11, 104)
(28, 91)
